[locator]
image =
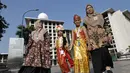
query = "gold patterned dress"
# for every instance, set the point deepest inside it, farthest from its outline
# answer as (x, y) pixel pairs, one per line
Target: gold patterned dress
(81, 58)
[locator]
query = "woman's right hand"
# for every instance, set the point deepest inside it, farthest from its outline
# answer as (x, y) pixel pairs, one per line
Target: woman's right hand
(69, 49)
(89, 48)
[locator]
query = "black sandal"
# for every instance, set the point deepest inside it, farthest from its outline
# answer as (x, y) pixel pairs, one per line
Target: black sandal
(109, 71)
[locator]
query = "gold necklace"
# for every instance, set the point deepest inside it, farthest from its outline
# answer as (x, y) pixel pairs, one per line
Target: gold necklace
(77, 32)
(37, 34)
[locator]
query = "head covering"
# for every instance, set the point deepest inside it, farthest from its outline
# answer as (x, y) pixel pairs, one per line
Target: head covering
(89, 5)
(93, 19)
(90, 15)
(37, 24)
(39, 32)
(59, 27)
(75, 17)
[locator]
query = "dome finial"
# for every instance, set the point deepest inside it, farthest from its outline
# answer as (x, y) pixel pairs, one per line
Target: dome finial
(43, 16)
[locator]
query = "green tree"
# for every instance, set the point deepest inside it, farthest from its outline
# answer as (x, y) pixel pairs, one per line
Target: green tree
(3, 24)
(128, 49)
(24, 32)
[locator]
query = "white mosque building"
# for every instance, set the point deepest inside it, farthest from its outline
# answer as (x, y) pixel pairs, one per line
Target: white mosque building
(119, 24)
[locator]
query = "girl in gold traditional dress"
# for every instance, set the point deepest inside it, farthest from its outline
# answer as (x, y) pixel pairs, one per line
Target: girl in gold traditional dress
(79, 43)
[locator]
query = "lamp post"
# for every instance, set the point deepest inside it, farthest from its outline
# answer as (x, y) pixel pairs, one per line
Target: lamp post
(23, 18)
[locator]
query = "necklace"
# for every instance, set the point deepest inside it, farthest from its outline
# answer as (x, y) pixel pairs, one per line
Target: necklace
(77, 32)
(37, 34)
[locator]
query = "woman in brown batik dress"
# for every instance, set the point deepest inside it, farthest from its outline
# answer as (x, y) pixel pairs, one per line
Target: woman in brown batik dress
(37, 58)
(101, 58)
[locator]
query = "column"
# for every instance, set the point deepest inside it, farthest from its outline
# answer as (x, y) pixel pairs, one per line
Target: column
(30, 23)
(70, 35)
(52, 40)
(43, 24)
(2, 60)
(48, 27)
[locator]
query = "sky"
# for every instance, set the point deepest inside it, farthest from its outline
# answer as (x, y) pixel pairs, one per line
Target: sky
(63, 10)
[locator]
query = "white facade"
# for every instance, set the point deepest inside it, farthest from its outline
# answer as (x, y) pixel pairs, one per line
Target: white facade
(120, 26)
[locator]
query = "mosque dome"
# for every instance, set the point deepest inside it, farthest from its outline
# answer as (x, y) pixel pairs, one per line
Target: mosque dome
(43, 16)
